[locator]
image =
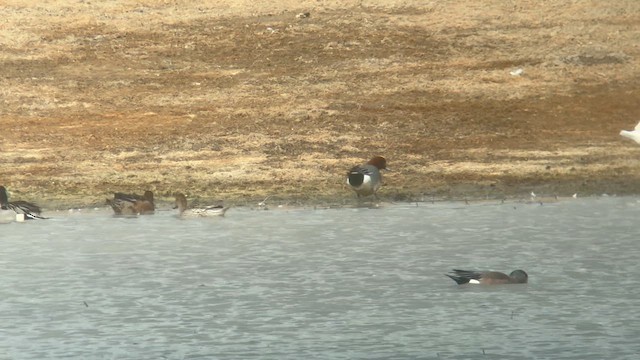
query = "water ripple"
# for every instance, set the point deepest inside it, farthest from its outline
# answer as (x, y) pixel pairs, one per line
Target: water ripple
(327, 284)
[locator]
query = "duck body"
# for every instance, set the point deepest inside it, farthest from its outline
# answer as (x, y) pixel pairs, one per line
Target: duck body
(462, 277)
(131, 204)
(207, 211)
(22, 210)
(366, 179)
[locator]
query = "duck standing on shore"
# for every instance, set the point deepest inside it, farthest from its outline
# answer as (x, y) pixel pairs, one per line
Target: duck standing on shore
(131, 204)
(366, 179)
(207, 211)
(19, 210)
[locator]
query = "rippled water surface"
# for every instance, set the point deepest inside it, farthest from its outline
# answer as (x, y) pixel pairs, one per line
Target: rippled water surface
(325, 284)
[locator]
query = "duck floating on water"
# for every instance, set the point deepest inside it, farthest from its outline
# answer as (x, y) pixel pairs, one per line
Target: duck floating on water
(462, 277)
(132, 204)
(207, 211)
(19, 210)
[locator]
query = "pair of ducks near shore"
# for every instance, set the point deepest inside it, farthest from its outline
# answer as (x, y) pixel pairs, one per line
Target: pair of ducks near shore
(132, 204)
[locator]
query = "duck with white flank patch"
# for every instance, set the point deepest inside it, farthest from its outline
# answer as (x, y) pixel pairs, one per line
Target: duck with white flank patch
(366, 179)
(488, 277)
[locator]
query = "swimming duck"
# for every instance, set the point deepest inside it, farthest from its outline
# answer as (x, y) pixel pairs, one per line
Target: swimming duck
(213, 210)
(633, 135)
(131, 204)
(488, 277)
(22, 210)
(366, 179)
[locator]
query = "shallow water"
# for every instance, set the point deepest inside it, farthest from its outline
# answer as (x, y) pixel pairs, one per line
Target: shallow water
(325, 284)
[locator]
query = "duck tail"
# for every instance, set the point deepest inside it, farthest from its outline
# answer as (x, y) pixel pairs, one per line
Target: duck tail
(29, 210)
(115, 205)
(458, 279)
(465, 276)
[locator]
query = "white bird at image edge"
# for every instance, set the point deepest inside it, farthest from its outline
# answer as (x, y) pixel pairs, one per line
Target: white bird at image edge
(633, 135)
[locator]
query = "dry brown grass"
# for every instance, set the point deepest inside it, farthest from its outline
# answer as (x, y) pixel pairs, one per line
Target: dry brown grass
(240, 100)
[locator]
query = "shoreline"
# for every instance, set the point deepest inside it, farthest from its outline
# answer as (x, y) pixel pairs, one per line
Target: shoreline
(543, 194)
(165, 207)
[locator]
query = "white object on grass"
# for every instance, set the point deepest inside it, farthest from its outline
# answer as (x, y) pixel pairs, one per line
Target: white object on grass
(633, 135)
